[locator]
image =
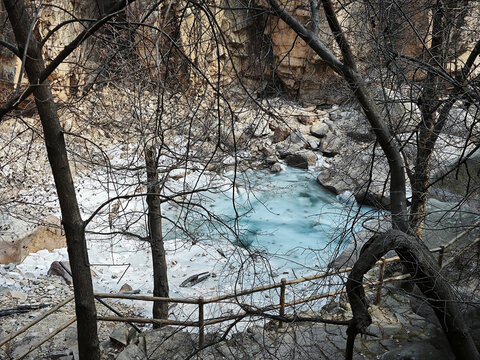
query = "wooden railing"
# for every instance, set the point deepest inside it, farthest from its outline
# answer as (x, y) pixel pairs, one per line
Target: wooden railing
(201, 323)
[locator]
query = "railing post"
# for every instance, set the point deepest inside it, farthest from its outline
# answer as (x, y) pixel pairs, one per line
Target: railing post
(440, 255)
(378, 298)
(282, 301)
(201, 323)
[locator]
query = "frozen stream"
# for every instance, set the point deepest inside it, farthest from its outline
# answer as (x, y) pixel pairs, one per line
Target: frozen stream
(289, 226)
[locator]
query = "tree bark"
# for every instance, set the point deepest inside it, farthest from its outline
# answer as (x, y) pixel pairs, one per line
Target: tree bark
(424, 271)
(57, 156)
(155, 236)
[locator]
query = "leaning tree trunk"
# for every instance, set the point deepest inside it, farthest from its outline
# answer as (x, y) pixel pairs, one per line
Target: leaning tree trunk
(155, 236)
(57, 156)
(424, 271)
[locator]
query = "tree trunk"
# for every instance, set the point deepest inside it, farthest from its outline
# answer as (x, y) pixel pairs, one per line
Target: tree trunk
(424, 271)
(155, 236)
(57, 155)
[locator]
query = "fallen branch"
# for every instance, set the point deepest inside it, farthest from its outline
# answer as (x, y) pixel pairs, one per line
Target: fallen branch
(22, 309)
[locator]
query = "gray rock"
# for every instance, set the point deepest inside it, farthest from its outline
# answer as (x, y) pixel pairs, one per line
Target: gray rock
(333, 181)
(319, 129)
(56, 268)
(131, 352)
(375, 200)
(271, 160)
(168, 344)
(313, 142)
(119, 335)
(276, 168)
(17, 295)
(293, 143)
(302, 159)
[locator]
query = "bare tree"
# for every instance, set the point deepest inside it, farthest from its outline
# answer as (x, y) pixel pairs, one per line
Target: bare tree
(429, 126)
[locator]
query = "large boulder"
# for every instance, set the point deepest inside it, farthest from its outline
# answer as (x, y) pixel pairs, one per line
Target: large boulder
(334, 181)
(302, 159)
(292, 144)
(373, 199)
(50, 237)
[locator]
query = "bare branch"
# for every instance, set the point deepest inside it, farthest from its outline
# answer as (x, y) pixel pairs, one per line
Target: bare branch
(11, 47)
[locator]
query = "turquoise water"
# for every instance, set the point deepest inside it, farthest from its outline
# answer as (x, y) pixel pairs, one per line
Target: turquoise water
(286, 217)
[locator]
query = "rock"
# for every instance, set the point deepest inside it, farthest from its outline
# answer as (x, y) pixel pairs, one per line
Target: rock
(375, 200)
(302, 159)
(57, 269)
(271, 160)
(361, 135)
(292, 144)
(313, 142)
(168, 343)
(307, 119)
(48, 237)
(125, 287)
(280, 134)
(131, 352)
(22, 346)
(257, 128)
(17, 295)
(332, 180)
(276, 168)
(331, 145)
(119, 335)
(420, 350)
(319, 129)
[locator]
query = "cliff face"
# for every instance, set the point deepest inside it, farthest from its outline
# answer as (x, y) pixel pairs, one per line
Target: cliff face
(9, 65)
(239, 43)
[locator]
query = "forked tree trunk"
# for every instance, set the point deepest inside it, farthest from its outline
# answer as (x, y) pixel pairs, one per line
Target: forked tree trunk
(424, 271)
(155, 236)
(57, 156)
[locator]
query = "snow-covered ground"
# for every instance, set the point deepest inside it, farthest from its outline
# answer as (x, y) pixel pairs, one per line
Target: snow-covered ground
(292, 227)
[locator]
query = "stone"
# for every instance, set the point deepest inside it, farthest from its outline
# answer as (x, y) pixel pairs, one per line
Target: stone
(319, 129)
(375, 200)
(307, 119)
(276, 168)
(168, 343)
(126, 287)
(280, 134)
(131, 352)
(257, 128)
(18, 295)
(271, 160)
(332, 180)
(302, 159)
(331, 145)
(119, 335)
(57, 269)
(313, 142)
